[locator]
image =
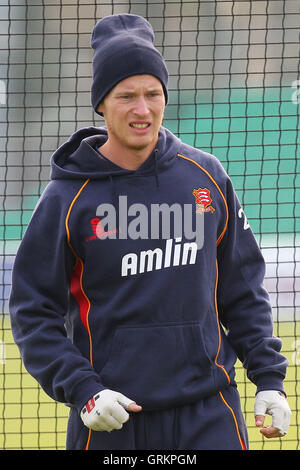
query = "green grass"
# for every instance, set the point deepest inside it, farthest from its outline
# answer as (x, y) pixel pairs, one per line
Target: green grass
(30, 420)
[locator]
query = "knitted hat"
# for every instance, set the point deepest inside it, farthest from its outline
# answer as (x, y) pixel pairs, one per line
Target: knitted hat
(123, 47)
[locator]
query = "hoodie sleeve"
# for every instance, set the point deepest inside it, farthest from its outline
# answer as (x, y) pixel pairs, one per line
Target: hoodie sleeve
(39, 304)
(243, 302)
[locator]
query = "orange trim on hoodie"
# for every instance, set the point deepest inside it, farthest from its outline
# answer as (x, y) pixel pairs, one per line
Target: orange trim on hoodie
(235, 422)
(76, 288)
(219, 328)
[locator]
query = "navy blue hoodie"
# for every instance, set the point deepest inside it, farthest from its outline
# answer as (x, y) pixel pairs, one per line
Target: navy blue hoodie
(149, 317)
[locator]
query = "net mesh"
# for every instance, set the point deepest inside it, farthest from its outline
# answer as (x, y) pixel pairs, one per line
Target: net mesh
(234, 92)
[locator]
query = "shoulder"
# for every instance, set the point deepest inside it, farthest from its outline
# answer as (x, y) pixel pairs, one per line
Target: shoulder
(62, 189)
(59, 195)
(206, 162)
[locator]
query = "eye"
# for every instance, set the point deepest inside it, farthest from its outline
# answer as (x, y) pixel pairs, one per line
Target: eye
(154, 94)
(125, 97)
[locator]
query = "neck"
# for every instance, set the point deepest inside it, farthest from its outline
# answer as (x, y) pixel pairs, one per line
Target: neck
(129, 159)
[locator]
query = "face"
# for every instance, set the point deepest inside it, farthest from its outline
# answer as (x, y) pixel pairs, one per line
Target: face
(133, 113)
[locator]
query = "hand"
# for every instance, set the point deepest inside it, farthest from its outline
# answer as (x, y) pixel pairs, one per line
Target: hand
(106, 411)
(274, 403)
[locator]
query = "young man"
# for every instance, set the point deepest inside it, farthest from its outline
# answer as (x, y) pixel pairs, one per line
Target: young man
(136, 321)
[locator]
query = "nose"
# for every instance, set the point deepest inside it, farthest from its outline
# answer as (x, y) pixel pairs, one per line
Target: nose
(141, 107)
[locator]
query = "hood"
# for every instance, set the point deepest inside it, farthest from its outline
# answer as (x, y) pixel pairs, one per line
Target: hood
(78, 158)
(124, 46)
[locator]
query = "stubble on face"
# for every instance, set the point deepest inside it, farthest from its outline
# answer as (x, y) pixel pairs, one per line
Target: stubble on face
(133, 113)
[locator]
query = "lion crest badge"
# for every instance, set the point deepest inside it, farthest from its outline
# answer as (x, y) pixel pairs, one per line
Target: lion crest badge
(203, 200)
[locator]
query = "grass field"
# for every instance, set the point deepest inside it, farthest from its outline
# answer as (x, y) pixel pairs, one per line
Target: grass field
(31, 421)
(29, 418)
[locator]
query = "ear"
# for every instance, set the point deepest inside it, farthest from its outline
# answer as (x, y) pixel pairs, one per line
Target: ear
(100, 108)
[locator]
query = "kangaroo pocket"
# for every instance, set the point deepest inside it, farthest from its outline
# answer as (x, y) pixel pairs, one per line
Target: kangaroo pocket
(159, 366)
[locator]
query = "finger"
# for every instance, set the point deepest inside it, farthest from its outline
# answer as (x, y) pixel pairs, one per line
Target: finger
(101, 426)
(112, 423)
(278, 416)
(259, 420)
(128, 404)
(134, 407)
(118, 412)
(260, 408)
(281, 419)
(124, 401)
(286, 423)
(270, 432)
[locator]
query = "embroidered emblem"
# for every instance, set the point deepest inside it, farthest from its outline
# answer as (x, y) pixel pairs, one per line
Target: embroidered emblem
(203, 200)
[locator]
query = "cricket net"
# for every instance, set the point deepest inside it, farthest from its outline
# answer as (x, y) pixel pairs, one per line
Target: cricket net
(234, 91)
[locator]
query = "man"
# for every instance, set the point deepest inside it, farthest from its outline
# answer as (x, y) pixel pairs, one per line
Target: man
(134, 322)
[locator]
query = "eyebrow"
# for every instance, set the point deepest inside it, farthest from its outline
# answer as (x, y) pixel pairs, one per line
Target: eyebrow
(131, 91)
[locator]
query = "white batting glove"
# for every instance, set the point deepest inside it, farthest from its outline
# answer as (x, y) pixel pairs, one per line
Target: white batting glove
(105, 411)
(274, 403)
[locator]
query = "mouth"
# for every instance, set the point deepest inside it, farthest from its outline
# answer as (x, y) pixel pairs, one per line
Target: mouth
(140, 126)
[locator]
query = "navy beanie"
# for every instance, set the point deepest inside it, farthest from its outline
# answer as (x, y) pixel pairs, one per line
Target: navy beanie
(123, 47)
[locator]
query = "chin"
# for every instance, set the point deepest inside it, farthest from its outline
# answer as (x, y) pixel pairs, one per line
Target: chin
(138, 146)
(143, 144)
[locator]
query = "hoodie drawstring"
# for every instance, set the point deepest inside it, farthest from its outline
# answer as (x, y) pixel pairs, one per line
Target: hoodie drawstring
(155, 167)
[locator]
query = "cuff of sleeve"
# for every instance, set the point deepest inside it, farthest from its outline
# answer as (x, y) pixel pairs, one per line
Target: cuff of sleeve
(269, 382)
(84, 391)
